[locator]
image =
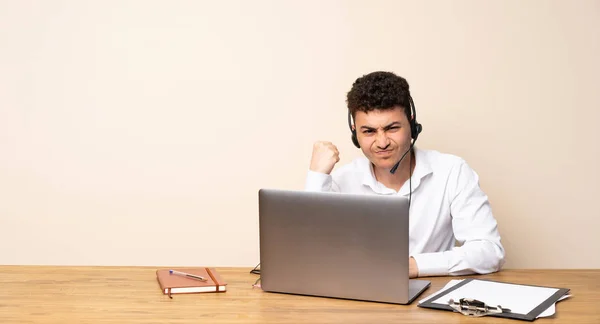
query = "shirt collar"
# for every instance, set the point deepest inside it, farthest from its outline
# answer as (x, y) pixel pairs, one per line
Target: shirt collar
(422, 169)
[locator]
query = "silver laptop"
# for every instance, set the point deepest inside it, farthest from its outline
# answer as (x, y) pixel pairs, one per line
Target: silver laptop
(337, 245)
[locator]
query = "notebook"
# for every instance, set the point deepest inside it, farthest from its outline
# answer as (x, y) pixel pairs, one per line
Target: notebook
(177, 284)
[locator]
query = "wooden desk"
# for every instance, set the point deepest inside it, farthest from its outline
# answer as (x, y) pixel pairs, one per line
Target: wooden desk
(39, 294)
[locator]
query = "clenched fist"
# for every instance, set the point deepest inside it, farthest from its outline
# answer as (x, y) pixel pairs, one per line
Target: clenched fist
(324, 157)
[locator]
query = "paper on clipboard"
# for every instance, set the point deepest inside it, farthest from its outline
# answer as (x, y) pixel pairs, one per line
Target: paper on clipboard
(541, 294)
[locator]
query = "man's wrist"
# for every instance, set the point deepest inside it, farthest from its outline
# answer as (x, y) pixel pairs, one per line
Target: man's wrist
(413, 269)
(316, 181)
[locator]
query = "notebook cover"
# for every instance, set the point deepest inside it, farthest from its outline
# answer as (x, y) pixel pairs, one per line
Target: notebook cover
(526, 317)
(169, 281)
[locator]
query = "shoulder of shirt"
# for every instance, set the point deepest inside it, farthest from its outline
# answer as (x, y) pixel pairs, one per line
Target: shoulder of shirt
(442, 161)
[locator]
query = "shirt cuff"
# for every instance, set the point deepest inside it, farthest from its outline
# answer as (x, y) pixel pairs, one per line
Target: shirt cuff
(316, 181)
(431, 264)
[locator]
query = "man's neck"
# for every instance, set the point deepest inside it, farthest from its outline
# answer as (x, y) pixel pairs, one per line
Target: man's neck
(396, 181)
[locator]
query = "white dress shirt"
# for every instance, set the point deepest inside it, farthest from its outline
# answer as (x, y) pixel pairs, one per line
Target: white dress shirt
(447, 205)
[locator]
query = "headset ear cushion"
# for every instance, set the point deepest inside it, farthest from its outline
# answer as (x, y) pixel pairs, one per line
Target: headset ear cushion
(355, 139)
(416, 130)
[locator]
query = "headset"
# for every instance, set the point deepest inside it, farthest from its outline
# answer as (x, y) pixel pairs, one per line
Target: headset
(415, 127)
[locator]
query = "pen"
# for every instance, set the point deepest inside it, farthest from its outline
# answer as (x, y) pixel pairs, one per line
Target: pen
(185, 274)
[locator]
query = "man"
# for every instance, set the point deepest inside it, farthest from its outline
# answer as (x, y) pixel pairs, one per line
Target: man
(446, 204)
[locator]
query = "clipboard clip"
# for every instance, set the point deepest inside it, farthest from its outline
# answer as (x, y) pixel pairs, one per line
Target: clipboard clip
(475, 308)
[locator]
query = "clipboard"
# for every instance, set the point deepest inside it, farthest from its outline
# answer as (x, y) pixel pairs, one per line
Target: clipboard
(526, 302)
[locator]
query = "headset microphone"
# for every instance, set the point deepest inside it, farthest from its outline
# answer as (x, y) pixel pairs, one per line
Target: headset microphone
(395, 167)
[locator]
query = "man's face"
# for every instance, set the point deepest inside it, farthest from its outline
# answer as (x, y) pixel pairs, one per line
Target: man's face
(383, 135)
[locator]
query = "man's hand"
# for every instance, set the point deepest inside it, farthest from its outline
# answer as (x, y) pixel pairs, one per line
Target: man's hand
(324, 157)
(413, 270)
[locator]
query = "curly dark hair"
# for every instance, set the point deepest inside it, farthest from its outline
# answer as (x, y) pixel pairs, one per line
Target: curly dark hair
(379, 90)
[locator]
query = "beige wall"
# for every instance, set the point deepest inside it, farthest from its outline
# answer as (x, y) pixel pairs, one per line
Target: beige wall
(138, 132)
